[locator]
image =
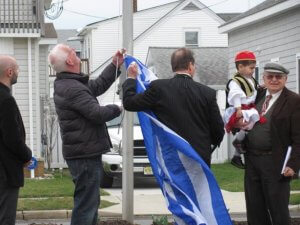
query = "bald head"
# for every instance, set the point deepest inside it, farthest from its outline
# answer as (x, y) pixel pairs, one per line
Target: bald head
(62, 58)
(7, 62)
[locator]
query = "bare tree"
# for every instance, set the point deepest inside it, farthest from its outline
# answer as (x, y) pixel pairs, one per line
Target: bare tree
(50, 127)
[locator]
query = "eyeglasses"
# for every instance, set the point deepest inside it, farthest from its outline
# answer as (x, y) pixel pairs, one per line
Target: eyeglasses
(277, 76)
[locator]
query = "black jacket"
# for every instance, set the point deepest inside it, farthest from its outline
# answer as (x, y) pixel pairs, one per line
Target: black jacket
(81, 118)
(13, 150)
(185, 106)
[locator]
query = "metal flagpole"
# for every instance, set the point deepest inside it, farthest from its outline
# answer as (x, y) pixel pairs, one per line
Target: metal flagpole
(127, 131)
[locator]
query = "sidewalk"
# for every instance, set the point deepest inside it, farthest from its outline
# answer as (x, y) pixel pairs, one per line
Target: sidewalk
(149, 204)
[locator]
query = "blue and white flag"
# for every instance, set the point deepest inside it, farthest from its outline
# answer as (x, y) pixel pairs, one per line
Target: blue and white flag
(188, 185)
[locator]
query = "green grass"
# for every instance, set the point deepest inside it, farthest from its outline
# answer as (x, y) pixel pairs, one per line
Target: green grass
(52, 203)
(60, 186)
(232, 179)
(295, 199)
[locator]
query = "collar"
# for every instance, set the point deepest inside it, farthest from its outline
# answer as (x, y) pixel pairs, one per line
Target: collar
(276, 95)
(186, 75)
(76, 76)
(4, 87)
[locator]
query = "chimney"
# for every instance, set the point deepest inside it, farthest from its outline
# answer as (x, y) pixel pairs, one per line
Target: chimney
(134, 6)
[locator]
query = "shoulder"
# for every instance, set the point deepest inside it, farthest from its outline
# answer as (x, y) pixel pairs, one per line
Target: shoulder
(8, 103)
(204, 89)
(292, 96)
(69, 87)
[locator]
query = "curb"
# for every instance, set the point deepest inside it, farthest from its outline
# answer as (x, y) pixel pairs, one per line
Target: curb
(66, 214)
(56, 214)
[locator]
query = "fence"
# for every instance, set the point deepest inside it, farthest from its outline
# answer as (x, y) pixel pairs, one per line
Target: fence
(220, 155)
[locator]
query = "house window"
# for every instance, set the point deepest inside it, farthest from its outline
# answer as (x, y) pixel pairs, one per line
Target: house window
(275, 60)
(191, 38)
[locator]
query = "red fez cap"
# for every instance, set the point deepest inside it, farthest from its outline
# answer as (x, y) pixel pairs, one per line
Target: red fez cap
(245, 55)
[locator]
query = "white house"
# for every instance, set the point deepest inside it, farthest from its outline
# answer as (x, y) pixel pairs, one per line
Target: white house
(176, 24)
(272, 31)
(25, 36)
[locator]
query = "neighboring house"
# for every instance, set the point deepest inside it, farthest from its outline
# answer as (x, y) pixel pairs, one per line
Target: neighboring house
(182, 23)
(272, 31)
(25, 36)
(211, 64)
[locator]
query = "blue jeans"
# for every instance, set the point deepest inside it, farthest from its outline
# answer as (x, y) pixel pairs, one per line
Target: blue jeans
(86, 177)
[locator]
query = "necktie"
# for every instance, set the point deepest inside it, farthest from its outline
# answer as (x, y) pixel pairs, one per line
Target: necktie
(265, 105)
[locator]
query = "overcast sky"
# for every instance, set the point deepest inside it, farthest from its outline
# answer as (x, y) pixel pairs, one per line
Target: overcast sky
(102, 9)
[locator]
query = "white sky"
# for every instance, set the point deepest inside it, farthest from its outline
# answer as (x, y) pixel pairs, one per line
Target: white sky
(103, 9)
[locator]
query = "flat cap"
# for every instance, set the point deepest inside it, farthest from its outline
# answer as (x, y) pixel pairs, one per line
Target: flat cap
(276, 68)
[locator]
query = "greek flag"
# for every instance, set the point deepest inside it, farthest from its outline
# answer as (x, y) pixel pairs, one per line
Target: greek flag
(188, 185)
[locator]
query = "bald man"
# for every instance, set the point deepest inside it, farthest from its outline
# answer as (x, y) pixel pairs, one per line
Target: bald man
(14, 154)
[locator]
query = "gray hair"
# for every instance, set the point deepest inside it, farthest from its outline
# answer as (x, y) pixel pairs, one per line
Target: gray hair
(58, 56)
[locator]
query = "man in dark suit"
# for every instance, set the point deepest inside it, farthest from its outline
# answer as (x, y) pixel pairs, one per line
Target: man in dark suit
(266, 189)
(14, 154)
(185, 106)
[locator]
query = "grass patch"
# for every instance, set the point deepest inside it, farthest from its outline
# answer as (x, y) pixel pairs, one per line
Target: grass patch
(52, 203)
(60, 185)
(232, 179)
(295, 199)
(229, 177)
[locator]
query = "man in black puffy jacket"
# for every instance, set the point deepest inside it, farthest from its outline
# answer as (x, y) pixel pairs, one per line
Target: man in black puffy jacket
(82, 123)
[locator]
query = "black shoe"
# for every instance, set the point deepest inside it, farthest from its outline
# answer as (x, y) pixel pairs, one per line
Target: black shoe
(239, 146)
(237, 162)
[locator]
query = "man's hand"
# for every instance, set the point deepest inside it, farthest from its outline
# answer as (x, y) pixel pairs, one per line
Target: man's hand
(288, 172)
(241, 124)
(239, 112)
(132, 70)
(118, 58)
(27, 163)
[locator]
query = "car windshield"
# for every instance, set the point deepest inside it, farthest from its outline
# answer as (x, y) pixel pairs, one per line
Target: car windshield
(116, 121)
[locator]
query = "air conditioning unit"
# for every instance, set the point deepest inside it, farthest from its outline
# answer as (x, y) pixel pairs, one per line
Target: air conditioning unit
(48, 4)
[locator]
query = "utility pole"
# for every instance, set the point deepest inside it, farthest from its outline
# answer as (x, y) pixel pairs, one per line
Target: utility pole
(127, 131)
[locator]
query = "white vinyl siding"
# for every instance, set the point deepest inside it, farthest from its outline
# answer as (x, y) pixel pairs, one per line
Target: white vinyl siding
(107, 37)
(6, 46)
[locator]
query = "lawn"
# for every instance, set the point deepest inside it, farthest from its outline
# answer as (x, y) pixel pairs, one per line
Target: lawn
(231, 179)
(60, 186)
(51, 193)
(57, 192)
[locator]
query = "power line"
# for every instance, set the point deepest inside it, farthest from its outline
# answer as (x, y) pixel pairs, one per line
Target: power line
(99, 17)
(83, 14)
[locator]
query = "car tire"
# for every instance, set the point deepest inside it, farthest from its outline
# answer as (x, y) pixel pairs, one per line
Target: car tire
(105, 180)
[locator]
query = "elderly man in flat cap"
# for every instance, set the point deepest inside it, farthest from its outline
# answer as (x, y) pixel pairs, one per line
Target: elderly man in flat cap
(267, 190)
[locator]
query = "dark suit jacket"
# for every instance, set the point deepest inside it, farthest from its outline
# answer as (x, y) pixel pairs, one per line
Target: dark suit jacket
(185, 106)
(285, 129)
(13, 150)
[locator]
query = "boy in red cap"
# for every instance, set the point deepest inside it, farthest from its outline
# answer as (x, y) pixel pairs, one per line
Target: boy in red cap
(241, 92)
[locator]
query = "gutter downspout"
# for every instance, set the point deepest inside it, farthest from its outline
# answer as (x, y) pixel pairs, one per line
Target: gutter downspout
(30, 100)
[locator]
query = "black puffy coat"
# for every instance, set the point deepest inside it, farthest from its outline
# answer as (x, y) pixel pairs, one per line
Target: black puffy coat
(81, 118)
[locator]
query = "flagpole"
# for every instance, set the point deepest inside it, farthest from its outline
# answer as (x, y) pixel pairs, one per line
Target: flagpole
(127, 131)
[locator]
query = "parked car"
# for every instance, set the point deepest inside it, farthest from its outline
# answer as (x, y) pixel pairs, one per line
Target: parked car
(112, 161)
